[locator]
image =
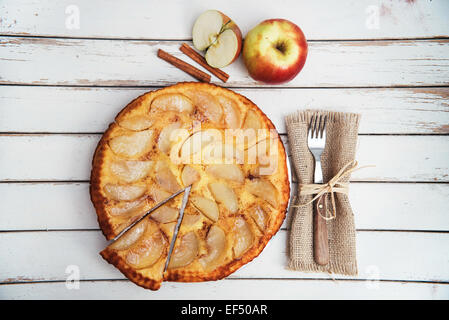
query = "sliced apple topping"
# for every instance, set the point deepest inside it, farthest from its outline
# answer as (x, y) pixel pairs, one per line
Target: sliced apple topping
(146, 252)
(263, 189)
(165, 137)
(165, 214)
(226, 49)
(126, 209)
(216, 246)
(130, 171)
(207, 104)
(230, 172)
(185, 252)
(259, 216)
(189, 175)
(158, 194)
(135, 123)
(232, 116)
(130, 237)
(206, 206)
(165, 177)
(131, 145)
(171, 102)
(168, 228)
(123, 192)
(243, 237)
(225, 195)
(190, 219)
(199, 140)
(252, 121)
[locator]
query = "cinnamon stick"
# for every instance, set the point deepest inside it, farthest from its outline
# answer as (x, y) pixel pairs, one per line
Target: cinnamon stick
(184, 66)
(195, 56)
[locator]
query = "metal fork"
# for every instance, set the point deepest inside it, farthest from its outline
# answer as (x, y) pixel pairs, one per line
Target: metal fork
(316, 141)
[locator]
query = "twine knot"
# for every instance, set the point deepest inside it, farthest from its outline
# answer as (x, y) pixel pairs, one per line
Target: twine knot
(333, 186)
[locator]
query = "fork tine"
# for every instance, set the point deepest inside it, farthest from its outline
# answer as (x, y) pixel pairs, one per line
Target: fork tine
(318, 126)
(311, 126)
(323, 127)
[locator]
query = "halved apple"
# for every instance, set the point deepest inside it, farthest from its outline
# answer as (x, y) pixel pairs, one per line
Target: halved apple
(219, 35)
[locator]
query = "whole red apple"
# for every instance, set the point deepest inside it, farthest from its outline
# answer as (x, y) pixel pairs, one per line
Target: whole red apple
(275, 51)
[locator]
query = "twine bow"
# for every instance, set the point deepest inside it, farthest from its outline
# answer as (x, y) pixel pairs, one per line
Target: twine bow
(333, 186)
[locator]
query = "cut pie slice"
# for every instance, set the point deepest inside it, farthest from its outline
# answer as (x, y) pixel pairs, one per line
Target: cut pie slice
(178, 136)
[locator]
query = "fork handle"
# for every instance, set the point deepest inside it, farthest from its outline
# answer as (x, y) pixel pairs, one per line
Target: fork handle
(320, 238)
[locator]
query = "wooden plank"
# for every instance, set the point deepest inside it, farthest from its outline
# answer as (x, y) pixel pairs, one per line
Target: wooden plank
(231, 290)
(67, 157)
(380, 206)
(143, 20)
(134, 63)
(381, 255)
(72, 109)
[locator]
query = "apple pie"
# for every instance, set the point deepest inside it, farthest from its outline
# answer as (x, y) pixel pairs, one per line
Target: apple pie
(195, 134)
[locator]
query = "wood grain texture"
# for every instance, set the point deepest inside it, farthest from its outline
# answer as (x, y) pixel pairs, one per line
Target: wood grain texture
(135, 63)
(232, 290)
(380, 255)
(137, 19)
(67, 157)
(384, 111)
(382, 206)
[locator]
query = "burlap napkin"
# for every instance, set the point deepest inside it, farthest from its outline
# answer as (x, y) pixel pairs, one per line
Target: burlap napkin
(341, 140)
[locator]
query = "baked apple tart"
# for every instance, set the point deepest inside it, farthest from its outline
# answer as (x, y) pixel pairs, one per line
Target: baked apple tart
(195, 134)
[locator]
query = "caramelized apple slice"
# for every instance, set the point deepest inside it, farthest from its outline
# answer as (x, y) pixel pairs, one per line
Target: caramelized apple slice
(125, 209)
(206, 206)
(190, 219)
(226, 171)
(147, 251)
(135, 123)
(222, 153)
(252, 121)
(207, 104)
(171, 102)
(130, 171)
(259, 216)
(165, 177)
(185, 252)
(225, 195)
(216, 246)
(263, 189)
(131, 145)
(130, 237)
(243, 237)
(232, 116)
(123, 192)
(189, 175)
(165, 214)
(158, 194)
(164, 142)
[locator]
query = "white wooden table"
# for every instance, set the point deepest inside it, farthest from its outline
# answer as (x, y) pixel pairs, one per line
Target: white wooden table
(60, 86)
